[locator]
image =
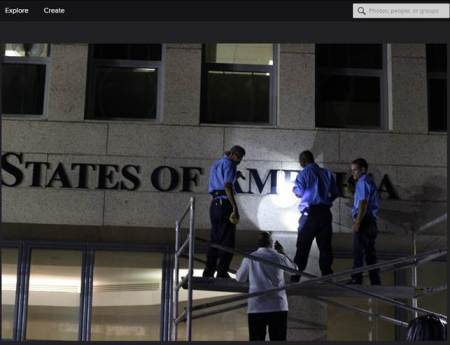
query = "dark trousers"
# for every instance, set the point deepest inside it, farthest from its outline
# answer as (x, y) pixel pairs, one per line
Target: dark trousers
(364, 246)
(223, 233)
(276, 321)
(315, 222)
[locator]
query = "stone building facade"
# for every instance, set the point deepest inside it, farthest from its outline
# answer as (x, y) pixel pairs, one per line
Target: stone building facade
(170, 158)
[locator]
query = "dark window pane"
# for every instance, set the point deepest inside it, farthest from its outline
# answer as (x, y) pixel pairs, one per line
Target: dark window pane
(436, 58)
(124, 92)
(23, 89)
(348, 101)
(437, 96)
(237, 97)
(349, 56)
(128, 51)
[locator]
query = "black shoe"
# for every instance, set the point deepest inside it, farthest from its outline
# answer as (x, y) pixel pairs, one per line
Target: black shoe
(208, 274)
(354, 282)
(223, 275)
(295, 278)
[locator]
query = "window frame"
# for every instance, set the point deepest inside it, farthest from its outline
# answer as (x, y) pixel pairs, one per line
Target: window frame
(87, 251)
(93, 64)
(32, 60)
(382, 74)
(273, 71)
(434, 76)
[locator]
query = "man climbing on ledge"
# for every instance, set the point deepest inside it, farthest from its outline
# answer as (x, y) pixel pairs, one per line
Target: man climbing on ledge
(317, 189)
(223, 211)
(364, 215)
(269, 310)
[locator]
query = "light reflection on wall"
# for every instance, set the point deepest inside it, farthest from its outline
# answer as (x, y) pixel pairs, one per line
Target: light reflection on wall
(279, 209)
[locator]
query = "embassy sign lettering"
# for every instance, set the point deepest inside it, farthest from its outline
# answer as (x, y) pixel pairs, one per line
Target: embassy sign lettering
(129, 177)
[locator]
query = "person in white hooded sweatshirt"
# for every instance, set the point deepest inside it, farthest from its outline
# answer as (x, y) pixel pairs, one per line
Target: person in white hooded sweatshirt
(269, 310)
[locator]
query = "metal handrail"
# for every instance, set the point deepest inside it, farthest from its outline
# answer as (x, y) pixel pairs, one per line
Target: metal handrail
(321, 299)
(189, 242)
(190, 271)
(196, 259)
(315, 279)
(187, 316)
(183, 246)
(432, 254)
(414, 234)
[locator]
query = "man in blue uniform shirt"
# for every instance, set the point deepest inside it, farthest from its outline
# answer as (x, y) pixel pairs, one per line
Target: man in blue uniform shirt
(223, 211)
(317, 189)
(364, 215)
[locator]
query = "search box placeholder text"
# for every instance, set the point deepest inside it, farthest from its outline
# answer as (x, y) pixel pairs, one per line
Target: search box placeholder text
(401, 11)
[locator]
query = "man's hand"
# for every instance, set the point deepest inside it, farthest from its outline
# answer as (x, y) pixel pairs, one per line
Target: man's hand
(234, 216)
(279, 248)
(355, 226)
(239, 175)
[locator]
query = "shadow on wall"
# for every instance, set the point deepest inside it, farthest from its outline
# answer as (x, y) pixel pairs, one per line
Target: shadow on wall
(404, 216)
(434, 189)
(425, 203)
(418, 203)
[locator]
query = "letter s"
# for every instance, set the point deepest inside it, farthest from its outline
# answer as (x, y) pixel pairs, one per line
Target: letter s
(12, 169)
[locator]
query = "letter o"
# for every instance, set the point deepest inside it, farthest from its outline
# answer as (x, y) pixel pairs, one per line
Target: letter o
(174, 178)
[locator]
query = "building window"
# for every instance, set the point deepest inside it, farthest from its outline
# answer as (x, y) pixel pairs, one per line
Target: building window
(10, 257)
(76, 292)
(24, 78)
(350, 86)
(238, 84)
(437, 86)
(126, 299)
(54, 295)
(124, 81)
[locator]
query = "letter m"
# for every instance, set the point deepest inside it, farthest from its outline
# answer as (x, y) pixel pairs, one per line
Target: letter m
(272, 174)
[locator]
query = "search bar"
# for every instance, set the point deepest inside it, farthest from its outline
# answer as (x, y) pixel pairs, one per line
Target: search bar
(401, 11)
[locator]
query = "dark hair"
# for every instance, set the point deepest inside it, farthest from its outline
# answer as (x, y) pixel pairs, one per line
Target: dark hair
(361, 162)
(427, 327)
(237, 150)
(265, 239)
(306, 156)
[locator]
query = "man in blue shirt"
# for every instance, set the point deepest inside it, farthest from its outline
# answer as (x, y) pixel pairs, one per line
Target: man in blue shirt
(317, 189)
(364, 215)
(224, 213)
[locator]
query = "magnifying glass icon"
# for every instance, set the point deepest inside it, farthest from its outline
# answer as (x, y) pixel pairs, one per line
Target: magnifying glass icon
(361, 10)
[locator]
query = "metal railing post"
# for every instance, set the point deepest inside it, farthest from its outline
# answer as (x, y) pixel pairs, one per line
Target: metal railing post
(190, 270)
(414, 273)
(177, 278)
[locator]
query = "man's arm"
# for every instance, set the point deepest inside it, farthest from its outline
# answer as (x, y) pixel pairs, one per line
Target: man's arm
(362, 208)
(286, 259)
(229, 176)
(362, 192)
(242, 273)
(333, 188)
(230, 194)
(300, 185)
